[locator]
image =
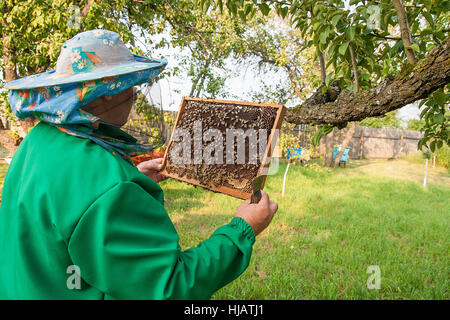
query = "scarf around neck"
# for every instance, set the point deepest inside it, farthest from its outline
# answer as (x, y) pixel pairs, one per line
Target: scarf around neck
(60, 105)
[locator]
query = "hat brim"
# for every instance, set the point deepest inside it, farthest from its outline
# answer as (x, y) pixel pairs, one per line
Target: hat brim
(51, 78)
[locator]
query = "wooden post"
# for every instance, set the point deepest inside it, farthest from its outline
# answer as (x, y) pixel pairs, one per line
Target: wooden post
(284, 179)
(426, 173)
(401, 144)
(361, 141)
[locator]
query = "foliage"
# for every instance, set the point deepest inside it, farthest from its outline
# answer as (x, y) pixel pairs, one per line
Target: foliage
(443, 156)
(287, 137)
(209, 38)
(323, 131)
(35, 30)
(389, 121)
(271, 45)
(436, 114)
(361, 36)
(5, 108)
(415, 124)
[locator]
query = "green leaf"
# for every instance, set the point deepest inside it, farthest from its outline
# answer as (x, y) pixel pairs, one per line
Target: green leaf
(351, 33)
(264, 7)
(328, 79)
(324, 36)
(232, 7)
(343, 48)
(248, 8)
(327, 129)
(429, 18)
(433, 145)
(438, 118)
(397, 47)
(440, 98)
(316, 25)
(414, 47)
(336, 19)
(426, 31)
(316, 10)
(284, 11)
(242, 15)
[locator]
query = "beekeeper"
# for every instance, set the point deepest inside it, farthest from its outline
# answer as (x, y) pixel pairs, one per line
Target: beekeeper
(78, 220)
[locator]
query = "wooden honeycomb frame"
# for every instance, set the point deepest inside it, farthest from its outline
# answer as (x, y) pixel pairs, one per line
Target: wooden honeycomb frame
(234, 192)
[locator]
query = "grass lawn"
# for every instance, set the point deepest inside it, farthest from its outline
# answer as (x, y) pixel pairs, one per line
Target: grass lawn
(330, 227)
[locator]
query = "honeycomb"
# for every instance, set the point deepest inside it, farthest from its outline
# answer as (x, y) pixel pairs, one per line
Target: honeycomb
(239, 171)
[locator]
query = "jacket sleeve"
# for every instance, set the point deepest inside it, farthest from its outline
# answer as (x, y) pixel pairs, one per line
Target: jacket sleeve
(126, 246)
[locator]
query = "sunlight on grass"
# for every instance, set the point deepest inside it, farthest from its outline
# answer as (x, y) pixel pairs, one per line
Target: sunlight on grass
(330, 226)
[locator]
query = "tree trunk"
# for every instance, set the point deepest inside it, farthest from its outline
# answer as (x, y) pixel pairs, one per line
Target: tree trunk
(329, 146)
(348, 138)
(86, 8)
(415, 83)
(9, 66)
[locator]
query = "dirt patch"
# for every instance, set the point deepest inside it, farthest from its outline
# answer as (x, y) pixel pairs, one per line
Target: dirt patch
(404, 170)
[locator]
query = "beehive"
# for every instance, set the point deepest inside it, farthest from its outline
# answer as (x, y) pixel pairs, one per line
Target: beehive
(231, 172)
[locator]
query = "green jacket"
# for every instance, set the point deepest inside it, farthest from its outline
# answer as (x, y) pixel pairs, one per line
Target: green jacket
(69, 205)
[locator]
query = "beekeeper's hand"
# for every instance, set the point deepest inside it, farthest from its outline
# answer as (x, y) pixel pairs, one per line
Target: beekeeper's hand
(258, 215)
(152, 168)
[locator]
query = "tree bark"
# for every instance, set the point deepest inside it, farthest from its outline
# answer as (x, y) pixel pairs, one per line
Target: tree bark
(323, 73)
(411, 84)
(9, 67)
(352, 127)
(354, 67)
(405, 30)
(329, 146)
(348, 138)
(86, 8)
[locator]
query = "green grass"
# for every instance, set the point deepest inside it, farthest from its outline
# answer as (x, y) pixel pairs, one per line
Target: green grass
(330, 227)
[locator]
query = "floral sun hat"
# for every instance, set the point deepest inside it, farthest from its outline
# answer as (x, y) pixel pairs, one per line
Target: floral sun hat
(89, 55)
(92, 64)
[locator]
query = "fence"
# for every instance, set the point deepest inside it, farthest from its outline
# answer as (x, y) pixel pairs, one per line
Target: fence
(368, 143)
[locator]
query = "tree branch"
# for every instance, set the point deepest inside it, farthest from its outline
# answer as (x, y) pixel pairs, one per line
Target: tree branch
(354, 67)
(405, 31)
(428, 75)
(323, 73)
(86, 8)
